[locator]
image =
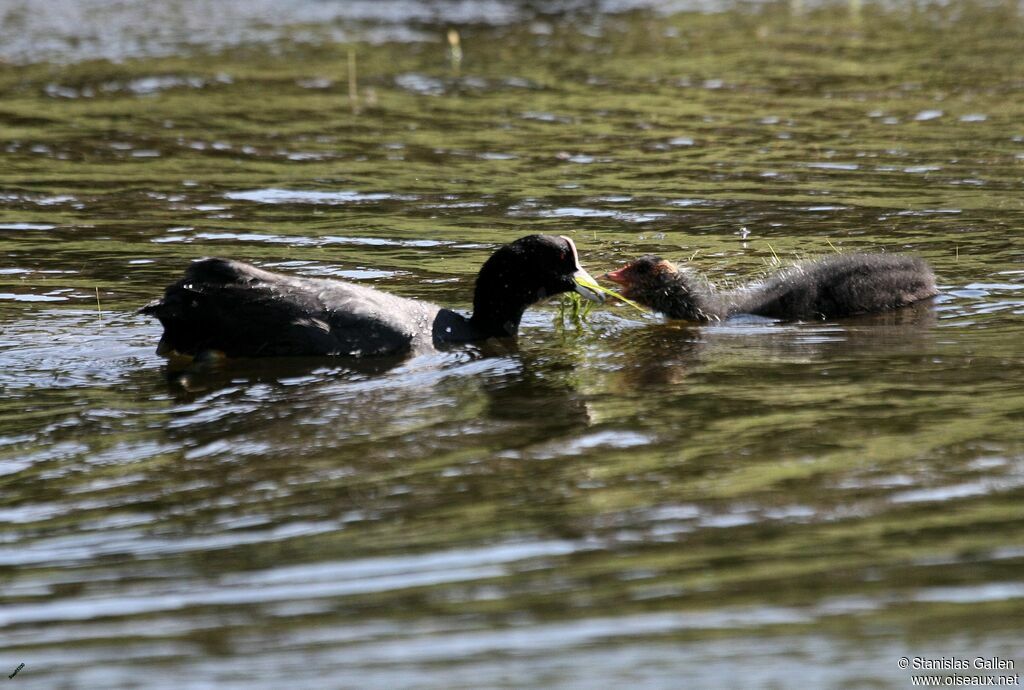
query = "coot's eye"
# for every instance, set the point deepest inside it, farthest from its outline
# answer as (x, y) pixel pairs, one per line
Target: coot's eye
(561, 257)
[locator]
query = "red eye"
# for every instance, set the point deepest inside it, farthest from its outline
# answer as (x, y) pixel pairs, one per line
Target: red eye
(562, 257)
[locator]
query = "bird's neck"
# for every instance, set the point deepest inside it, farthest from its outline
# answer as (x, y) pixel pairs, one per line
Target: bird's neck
(497, 318)
(686, 295)
(499, 300)
(451, 327)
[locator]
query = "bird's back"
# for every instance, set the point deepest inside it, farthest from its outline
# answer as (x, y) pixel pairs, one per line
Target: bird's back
(244, 311)
(837, 286)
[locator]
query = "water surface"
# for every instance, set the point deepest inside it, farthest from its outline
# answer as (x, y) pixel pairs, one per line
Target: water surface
(632, 502)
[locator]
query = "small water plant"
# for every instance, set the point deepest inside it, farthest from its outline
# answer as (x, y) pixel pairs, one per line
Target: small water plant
(575, 309)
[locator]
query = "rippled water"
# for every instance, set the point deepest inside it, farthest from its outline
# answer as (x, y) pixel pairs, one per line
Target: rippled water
(631, 502)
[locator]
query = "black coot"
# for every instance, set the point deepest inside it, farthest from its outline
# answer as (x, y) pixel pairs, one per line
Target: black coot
(831, 287)
(239, 310)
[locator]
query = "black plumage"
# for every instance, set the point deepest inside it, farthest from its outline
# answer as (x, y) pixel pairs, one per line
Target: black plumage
(243, 311)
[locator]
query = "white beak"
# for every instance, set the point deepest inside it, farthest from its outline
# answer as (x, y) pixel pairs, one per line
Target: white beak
(583, 282)
(583, 279)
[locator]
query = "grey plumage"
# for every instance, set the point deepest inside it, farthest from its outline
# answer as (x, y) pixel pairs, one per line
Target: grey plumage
(830, 287)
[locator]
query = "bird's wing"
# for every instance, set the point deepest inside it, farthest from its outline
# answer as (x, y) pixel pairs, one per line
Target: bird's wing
(245, 311)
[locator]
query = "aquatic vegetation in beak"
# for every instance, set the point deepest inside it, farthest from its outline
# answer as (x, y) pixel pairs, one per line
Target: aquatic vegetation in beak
(574, 308)
(587, 287)
(590, 284)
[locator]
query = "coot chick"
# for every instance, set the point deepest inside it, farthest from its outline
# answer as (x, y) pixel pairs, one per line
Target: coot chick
(827, 288)
(239, 310)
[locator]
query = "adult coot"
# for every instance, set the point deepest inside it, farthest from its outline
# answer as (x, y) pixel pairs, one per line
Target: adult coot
(836, 286)
(239, 310)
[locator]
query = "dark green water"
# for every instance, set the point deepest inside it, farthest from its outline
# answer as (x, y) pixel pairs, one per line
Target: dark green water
(631, 503)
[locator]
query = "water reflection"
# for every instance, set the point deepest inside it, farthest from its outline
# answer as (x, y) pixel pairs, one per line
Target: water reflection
(188, 379)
